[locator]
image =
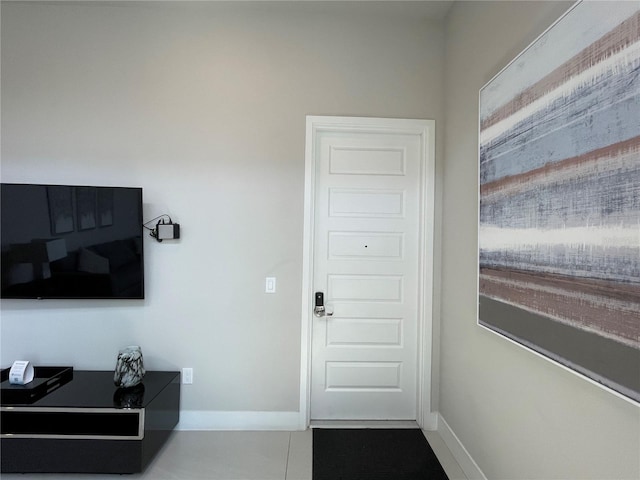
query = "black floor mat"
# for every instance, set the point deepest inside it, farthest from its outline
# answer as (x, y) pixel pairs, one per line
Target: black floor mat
(374, 454)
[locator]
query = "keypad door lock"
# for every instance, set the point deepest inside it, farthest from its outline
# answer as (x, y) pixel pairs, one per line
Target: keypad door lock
(319, 310)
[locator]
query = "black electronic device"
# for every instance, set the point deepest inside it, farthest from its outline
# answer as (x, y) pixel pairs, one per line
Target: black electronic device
(167, 231)
(71, 241)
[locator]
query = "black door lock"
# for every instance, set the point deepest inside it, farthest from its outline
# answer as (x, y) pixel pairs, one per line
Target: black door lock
(319, 310)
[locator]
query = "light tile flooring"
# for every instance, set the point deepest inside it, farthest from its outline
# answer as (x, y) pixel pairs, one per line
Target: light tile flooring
(237, 456)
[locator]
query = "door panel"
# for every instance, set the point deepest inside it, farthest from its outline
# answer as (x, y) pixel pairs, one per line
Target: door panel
(365, 203)
(366, 261)
(364, 288)
(364, 245)
(363, 376)
(364, 332)
(366, 161)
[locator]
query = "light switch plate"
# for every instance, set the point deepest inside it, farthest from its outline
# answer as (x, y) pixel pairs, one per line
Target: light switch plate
(270, 285)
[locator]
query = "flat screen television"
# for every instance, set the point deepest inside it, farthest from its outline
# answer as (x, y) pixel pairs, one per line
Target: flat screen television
(68, 241)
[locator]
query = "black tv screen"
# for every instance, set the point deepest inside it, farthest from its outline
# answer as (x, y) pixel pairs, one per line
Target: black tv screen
(63, 241)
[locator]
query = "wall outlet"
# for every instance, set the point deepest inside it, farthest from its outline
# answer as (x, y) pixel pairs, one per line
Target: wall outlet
(187, 376)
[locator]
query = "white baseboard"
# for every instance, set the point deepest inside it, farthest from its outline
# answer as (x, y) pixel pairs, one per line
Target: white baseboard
(459, 452)
(430, 421)
(216, 420)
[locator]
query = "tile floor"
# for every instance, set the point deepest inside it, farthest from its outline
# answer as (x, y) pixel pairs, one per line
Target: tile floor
(236, 456)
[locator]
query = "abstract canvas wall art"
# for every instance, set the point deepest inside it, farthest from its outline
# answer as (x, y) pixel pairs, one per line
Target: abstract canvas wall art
(559, 213)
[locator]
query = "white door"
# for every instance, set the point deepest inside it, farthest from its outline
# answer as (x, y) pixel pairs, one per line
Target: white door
(368, 263)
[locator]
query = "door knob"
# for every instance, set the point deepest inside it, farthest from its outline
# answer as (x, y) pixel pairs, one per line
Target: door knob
(319, 310)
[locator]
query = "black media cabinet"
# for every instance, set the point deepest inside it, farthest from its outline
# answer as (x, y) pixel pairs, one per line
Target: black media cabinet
(90, 426)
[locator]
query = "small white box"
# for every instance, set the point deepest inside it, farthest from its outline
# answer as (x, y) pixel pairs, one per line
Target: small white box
(270, 285)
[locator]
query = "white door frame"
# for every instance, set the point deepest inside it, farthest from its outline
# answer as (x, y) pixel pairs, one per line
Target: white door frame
(426, 418)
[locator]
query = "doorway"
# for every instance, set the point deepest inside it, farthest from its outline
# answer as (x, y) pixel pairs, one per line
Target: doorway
(368, 269)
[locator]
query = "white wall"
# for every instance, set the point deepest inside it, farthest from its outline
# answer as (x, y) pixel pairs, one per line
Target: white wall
(203, 105)
(519, 416)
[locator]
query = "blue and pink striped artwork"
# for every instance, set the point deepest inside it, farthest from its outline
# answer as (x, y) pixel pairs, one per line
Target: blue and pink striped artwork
(559, 217)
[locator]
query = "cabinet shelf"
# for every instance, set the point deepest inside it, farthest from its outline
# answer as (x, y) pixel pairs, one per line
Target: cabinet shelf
(90, 426)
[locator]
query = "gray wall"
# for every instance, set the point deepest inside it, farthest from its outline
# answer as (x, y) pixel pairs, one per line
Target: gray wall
(203, 105)
(518, 415)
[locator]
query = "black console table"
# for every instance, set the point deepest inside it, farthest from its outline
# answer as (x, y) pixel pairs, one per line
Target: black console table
(89, 426)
